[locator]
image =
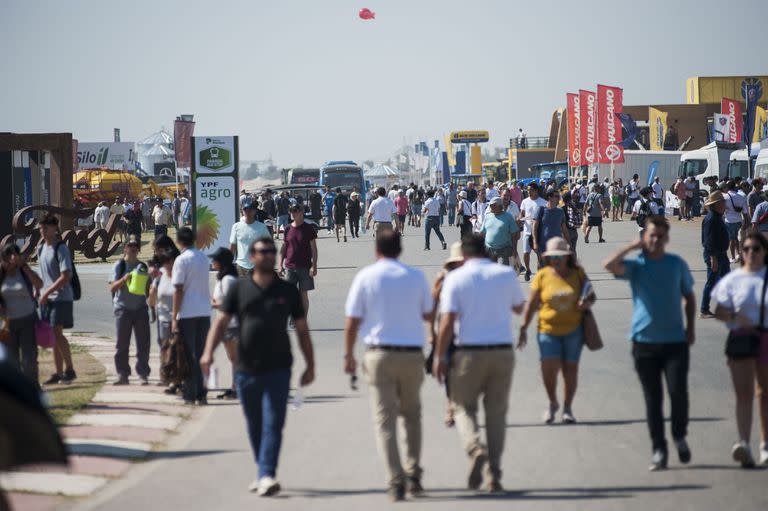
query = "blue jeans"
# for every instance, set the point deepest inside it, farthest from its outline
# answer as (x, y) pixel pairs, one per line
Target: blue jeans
(451, 214)
(432, 222)
(723, 267)
(264, 397)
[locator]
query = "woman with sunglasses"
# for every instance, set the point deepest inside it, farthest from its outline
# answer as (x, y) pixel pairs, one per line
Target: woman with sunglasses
(738, 298)
(558, 294)
(549, 222)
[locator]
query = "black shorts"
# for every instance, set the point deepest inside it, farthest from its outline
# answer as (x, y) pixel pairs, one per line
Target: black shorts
(595, 221)
(59, 314)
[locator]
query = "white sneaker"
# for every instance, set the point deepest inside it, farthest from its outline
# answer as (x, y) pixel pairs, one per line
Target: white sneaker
(742, 453)
(268, 487)
(764, 454)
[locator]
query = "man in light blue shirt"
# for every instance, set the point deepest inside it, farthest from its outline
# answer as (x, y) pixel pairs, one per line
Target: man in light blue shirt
(661, 341)
(244, 233)
(498, 228)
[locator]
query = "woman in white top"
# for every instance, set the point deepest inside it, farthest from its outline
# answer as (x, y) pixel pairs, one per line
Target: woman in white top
(222, 261)
(160, 299)
(478, 210)
(738, 298)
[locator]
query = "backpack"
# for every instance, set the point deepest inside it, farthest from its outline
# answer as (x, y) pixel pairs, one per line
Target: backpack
(77, 292)
(643, 213)
(628, 189)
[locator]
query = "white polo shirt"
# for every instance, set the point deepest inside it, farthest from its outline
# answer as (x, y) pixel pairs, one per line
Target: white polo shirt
(190, 270)
(382, 209)
(482, 295)
(432, 206)
(391, 299)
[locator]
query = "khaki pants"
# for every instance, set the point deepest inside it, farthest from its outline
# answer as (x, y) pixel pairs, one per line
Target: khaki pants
(395, 379)
(488, 373)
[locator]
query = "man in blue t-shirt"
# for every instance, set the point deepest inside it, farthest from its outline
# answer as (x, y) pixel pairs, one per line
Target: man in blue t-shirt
(661, 340)
(328, 198)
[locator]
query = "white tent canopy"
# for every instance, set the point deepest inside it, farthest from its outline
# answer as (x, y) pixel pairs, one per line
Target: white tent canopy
(382, 171)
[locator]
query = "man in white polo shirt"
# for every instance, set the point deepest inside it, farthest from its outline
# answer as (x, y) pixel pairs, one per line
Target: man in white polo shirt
(387, 303)
(484, 356)
(381, 211)
(432, 212)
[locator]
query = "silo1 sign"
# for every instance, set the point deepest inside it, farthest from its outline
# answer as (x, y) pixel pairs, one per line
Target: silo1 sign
(215, 192)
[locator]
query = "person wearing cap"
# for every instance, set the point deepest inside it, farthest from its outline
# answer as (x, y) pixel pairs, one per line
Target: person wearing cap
(735, 209)
(386, 305)
(134, 221)
(431, 211)
(499, 228)
(557, 294)
(715, 242)
(464, 214)
(661, 338)
(381, 212)
(244, 233)
(484, 358)
(162, 216)
(354, 209)
(644, 207)
(455, 260)
(297, 261)
(131, 313)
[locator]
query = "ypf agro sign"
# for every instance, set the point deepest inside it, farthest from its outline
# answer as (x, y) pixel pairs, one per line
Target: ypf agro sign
(215, 155)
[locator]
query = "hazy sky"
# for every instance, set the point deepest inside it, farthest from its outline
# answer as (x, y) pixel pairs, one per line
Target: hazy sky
(308, 81)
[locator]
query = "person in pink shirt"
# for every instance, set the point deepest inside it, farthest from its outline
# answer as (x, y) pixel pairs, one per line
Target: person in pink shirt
(401, 207)
(516, 193)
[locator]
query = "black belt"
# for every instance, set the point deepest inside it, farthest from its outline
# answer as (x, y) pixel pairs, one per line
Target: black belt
(484, 347)
(394, 348)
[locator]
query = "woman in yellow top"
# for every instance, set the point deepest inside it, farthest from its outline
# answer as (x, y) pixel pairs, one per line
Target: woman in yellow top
(558, 293)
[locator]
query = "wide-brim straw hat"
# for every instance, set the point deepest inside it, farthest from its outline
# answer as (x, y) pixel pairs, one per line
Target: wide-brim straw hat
(455, 255)
(714, 198)
(557, 247)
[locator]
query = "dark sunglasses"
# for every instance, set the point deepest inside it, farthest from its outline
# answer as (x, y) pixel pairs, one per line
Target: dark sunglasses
(264, 251)
(556, 258)
(752, 248)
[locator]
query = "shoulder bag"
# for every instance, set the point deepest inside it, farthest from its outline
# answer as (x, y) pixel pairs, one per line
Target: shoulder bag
(745, 343)
(592, 338)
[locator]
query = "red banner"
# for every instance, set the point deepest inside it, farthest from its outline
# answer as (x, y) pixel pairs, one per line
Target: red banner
(75, 163)
(609, 103)
(588, 127)
(182, 143)
(732, 109)
(574, 123)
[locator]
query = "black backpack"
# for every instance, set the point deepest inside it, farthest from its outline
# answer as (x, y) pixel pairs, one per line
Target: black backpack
(77, 292)
(643, 213)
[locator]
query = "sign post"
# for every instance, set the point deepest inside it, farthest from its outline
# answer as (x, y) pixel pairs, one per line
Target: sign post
(215, 182)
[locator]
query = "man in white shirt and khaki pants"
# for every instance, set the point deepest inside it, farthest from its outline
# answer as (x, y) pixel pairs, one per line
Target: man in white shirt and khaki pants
(478, 298)
(386, 305)
(381, 211)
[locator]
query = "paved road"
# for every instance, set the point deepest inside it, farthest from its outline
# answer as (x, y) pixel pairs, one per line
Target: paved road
(329, 459)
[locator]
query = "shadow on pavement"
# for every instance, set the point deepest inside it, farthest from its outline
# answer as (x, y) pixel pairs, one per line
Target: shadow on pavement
(161, 455)
(607, 422)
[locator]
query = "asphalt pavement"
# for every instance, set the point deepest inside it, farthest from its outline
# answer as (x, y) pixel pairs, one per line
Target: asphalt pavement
(329, 459)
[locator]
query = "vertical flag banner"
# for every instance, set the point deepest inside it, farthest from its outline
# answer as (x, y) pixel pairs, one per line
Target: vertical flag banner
(751, 91)
(721, 127)
(610, 102)
(761, 124)
(588, 126)
(574, 141)
(732, 109)
(182, 142)
(449, 151)
(657, 124)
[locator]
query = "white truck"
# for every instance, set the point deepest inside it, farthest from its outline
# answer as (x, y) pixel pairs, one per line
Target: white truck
(761, 164)
(712, 161)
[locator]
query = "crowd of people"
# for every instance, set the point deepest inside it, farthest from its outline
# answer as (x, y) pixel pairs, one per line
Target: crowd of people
(261, 291)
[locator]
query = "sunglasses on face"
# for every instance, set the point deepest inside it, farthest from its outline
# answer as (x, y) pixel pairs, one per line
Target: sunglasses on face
(752, 248)
(264, 251)
(556, 258)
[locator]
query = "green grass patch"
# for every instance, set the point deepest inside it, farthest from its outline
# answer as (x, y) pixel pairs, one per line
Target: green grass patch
(67, 400)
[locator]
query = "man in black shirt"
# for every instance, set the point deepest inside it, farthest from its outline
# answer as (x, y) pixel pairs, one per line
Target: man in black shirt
(714, 241)
(262, 304)
(316, 206)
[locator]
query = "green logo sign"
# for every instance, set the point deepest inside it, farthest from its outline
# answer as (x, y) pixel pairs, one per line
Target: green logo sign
(215, 158)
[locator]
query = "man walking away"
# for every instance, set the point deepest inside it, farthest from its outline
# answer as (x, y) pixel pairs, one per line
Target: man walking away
(262, 305)
(644, 208)
(191, 311)
(339, 211)
(499, 228)
(573, 219)
(735, 206)
(661, 341)
(715, 241)
(594, 211)
(393, 362)
(129, 300)
(243, 234)
(484, 358)
(381, 212)
(432, 212)
(464, 214)
(298, 255)
(56, 295)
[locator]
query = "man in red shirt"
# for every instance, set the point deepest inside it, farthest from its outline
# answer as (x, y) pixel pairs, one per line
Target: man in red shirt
(401, 205)
(298, 254)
